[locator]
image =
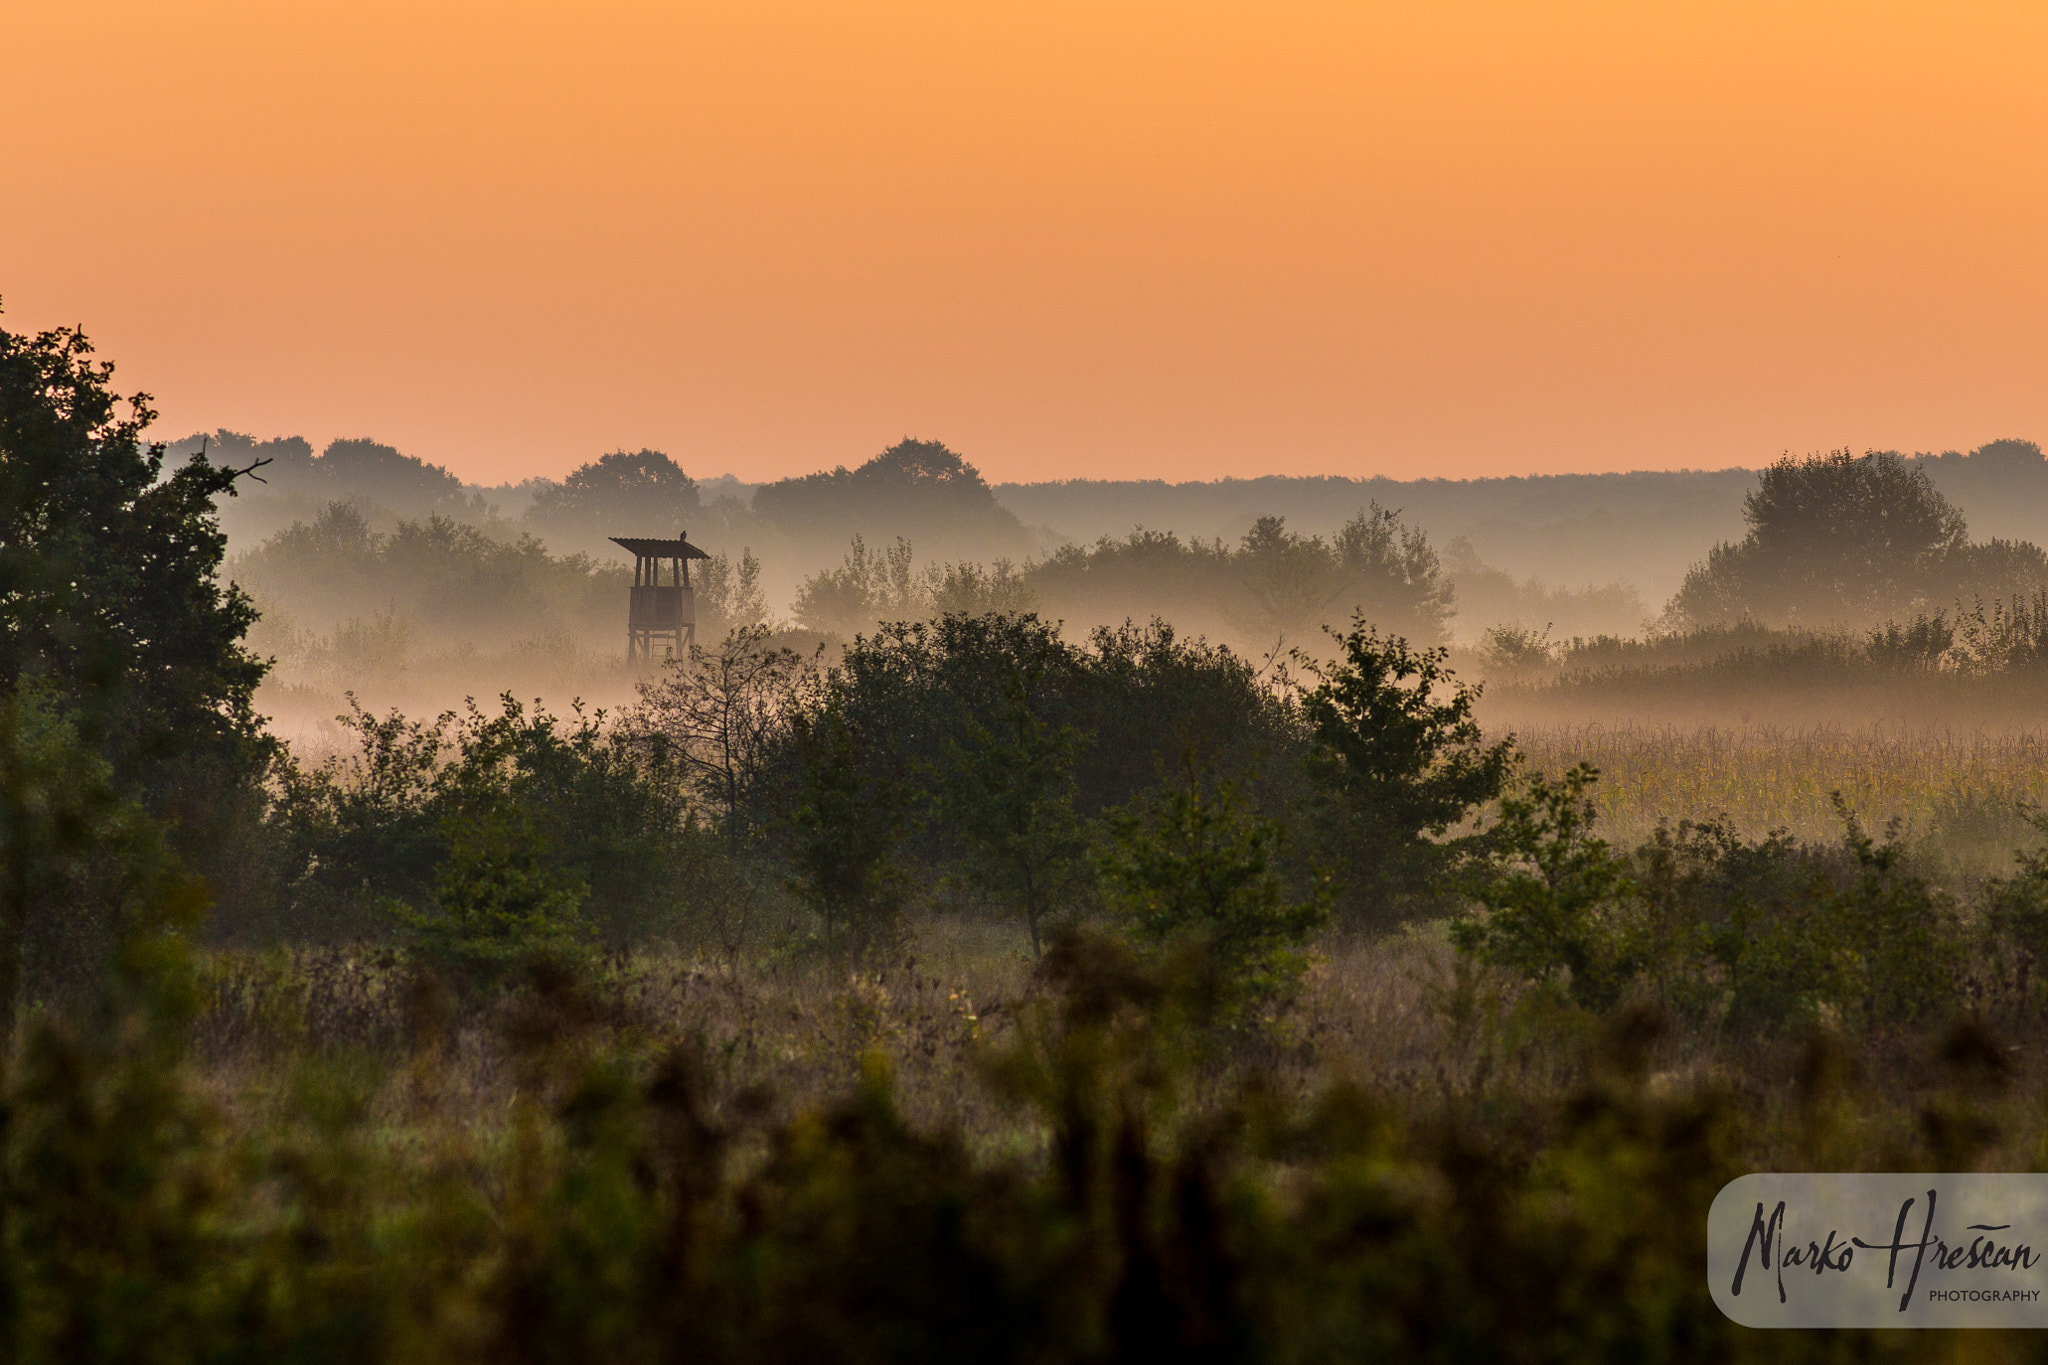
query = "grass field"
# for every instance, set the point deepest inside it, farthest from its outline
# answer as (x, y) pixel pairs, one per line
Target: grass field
(1958, 792)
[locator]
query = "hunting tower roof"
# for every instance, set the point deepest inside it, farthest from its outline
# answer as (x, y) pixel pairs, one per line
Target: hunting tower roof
(646, 548)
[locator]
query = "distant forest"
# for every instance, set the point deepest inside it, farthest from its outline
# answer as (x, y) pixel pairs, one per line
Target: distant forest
(359, 552)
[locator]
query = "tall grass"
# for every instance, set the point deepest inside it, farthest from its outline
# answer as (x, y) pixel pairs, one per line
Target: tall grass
(1956, 790)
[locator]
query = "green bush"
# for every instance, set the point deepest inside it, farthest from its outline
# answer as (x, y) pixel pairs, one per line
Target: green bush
(1196, 867)
(1397, 763)
(1556, 903)
(610, 804)
(1750, 935)
(499, 904)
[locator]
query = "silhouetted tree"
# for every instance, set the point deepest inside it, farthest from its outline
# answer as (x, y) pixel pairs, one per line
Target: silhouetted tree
(364, 469)
(919, 490)
(1373, 566)
(643, 493)
(110, 595)
(1843, 539)
(1398, 763)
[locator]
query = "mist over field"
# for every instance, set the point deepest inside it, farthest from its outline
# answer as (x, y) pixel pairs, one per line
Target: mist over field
(384, 575)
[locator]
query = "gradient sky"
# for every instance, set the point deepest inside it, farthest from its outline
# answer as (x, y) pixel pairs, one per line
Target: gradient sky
(1175, 240)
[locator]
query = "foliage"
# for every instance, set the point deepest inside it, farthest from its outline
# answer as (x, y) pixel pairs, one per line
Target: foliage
(1838, 539)
(630, 1206)
(375, 825)
(1514, 653)
(729, 595)
(1275, 587)
(446, 581)
(1373, 567)
(2015, 912)
(845, 819)
(2002, 636)
(1008, 793)
(82, 865)
(1194, 865)
(1973, 663)
(388, 477)
(918, 490)
(1395, 767)
(1140, 698)
(870, 588)
(720, 714)
(500, 902)
(1554, 899)
(586, 1174)
(1724, 932)
(109, 587)
(644, 493)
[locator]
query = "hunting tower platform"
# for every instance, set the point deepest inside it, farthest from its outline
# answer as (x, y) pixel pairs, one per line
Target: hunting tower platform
(660, 611)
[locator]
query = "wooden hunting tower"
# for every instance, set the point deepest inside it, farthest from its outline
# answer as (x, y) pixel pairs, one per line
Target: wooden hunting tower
(660, 611)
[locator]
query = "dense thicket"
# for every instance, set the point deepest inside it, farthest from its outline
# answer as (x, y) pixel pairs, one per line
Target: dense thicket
(369, 831)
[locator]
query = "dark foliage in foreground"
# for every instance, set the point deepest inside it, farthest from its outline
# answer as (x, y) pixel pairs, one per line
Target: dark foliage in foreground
(1181, 1207)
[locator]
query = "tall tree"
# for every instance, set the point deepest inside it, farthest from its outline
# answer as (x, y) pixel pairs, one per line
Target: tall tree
(110, 591)
(641, 492)
(918, 490)
(1833, 539)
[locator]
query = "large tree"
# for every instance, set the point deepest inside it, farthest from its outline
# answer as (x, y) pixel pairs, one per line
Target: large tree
(919, 490)
(1842, 539)
(125, 692)
(641, 493)
(110, 593)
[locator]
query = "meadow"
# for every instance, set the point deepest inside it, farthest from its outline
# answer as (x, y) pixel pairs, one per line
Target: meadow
(739, 1143)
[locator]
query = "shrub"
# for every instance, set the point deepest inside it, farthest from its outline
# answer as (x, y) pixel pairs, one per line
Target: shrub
(609, 803)
(1557, 902)
(1194, 864)
(1750, 935)
(499, 903)
(1396, 764)
(2016, 915)
(845, 824)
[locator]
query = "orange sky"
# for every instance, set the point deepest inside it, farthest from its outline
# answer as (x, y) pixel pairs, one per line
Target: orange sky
(1178, 239)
